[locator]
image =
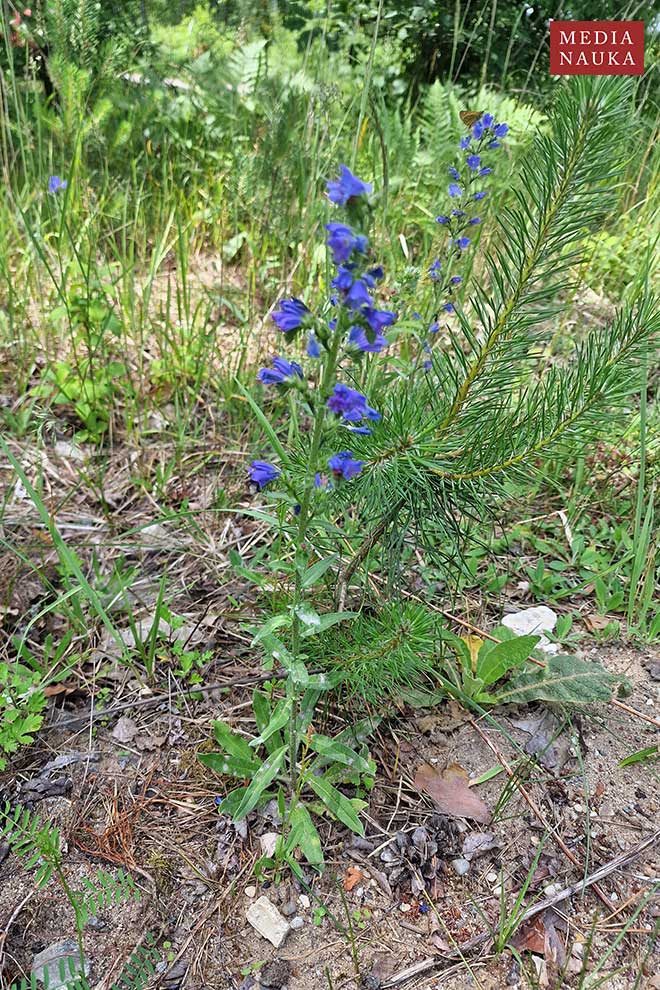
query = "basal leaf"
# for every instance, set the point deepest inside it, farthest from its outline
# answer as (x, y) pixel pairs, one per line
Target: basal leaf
(336, 803)
(236, 766)
(305, 835)
(331, 749)
(266, 773)
(495, 662)
(262, 715)
(565, 678)
(278, 720)
(231, 742)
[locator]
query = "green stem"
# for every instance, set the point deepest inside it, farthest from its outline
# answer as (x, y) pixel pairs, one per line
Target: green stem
(329, 370)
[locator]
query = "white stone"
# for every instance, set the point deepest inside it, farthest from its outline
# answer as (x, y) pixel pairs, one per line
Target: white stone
(297, 923)
(304, 900)
(268, 842)
(460, 866)
(267, 920)
(491, 877)
(250, 891)
(534, 622)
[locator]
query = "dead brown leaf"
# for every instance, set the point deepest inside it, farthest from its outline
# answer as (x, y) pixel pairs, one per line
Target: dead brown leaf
(595, 622)
(352, 878)
(451, 792)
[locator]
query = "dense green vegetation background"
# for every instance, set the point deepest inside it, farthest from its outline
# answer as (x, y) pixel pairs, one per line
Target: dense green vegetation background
(196, 140)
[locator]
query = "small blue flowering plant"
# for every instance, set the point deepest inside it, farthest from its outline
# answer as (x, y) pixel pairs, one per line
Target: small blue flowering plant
(299, 762)
(392, 456)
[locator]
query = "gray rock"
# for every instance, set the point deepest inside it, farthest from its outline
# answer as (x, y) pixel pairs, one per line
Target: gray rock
(460, 866)
(267, 920)
(62, 962)
(296, 923)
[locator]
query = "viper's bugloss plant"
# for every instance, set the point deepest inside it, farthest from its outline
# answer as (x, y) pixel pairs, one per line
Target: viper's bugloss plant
(397, 450)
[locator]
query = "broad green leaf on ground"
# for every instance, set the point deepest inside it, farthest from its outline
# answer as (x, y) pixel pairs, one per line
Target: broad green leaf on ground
(304, 834)
(231, 742)
(336, 803)
(237, 766)
(278, 719)
(494, 663)
(331, 749)
(451, 792)
(229, 804)
(262, 715)
(263, 777)
(565, 678)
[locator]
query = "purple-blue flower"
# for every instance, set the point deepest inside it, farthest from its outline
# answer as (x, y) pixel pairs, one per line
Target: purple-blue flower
(346, 187)
(461, 242)
(379, 318)
(455, 189)
(342, 242)
(434, 270)
(456, 279)
(55, 184)
(465, 142)
(480, 195)
(473, 162)
(501, 130)
(282, 371)
(358, 337)
(478, 129)
(448, 307)
(458, 213)
(290, 315)
(485, 171)
(487, 120)
(442, 220)
(343, 280)
(434, 327)
(321, 481)
(342, 465)
(262, 473)
(475, 220)
(313, 348)
(494, 144)
(350, 404)
(357, 296)
(455, 174)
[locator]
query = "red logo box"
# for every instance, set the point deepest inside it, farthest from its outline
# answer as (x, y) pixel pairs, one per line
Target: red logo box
(596, 48)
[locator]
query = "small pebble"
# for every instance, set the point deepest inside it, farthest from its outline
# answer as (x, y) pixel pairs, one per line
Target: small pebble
(491, 877)
(404, 908)
(460, 866)
(614, 897)
(250, 891)
(296, 923)
(304, 900)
